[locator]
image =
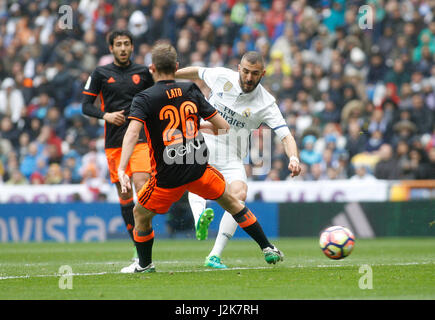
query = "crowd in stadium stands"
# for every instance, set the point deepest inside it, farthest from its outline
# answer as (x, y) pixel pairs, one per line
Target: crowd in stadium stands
(357, 93)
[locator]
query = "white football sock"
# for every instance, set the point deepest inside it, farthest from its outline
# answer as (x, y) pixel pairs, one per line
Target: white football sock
(197, 204)
(227, 228)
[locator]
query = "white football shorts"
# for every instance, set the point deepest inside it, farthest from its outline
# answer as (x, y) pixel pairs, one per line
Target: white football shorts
(232, 171)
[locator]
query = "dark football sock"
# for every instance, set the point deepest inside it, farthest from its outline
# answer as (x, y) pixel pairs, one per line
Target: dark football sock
(248, 222)
(127, 214)
(144, 245)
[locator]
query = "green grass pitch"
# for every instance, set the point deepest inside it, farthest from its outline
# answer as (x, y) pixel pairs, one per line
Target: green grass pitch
(400, 268)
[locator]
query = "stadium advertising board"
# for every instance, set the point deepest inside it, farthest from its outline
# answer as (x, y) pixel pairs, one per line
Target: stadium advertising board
(366, 219)
(319, 191)
(74, 222)
(63, 222)
(267, 191)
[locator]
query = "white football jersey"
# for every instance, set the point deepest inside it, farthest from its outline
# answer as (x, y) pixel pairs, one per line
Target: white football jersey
(243, 111)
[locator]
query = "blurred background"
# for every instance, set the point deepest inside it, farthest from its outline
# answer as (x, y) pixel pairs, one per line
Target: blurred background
(354, 80)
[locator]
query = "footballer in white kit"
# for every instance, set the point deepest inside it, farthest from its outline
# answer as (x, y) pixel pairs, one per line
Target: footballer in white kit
(244, 103)
(244, 112)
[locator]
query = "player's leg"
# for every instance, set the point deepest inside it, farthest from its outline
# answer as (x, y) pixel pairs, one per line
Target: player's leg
(140, 168)
(227, 225)
(127, 204)
(203, 216)
(249, 223)
(126, 201)
(143, 234)
(151, 200)
(212, 186)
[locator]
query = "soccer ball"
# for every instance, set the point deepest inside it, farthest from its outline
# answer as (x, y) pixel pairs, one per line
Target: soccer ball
(337, 242)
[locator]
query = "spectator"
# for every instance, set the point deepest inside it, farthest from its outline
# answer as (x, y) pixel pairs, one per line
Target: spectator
(29, 162)
(387, 167)
(17, 178)
(138, 26)
(316, 173)
(330, 113)
(156, 25)
(56, 122)
(39, 105)
(72, 161)
(308, 155)
(9, 131)
(54, 174)
(428, 169)
(321, 54)
(397, 74)
(418, 167)
(362, 173)
(11, 100)
(404, 131)
(377, 69)
(36, 178)
(375, 141)
(421, 115)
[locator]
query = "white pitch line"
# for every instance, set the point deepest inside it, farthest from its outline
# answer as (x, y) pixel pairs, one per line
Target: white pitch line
(117, 272)
(215, 270)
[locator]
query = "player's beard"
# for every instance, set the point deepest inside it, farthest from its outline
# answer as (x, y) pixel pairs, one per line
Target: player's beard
(252, 84)
(122, 63)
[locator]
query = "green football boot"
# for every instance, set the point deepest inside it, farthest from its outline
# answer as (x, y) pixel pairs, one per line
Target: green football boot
(272, 255)
(203, 223)
(214, 262)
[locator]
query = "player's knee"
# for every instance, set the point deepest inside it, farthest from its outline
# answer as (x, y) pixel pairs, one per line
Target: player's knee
(141, 219)
(238, 190)
(140, 180)
(230, 203)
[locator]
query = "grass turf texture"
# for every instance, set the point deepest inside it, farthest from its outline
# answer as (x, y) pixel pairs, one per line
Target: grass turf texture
(402, 268)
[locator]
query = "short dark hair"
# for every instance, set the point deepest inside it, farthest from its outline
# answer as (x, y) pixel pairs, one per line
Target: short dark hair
(164, 57)
(253, 57)
(119, 33)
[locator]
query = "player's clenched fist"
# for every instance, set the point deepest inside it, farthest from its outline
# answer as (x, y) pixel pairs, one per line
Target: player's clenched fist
(294, 167)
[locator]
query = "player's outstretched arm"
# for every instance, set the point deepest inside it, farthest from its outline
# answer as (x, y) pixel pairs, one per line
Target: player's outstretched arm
(291, 150)
(130, 139)
(190, 73)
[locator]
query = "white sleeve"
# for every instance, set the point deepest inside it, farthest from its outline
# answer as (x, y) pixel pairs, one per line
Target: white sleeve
(210, 75)
(273, 118)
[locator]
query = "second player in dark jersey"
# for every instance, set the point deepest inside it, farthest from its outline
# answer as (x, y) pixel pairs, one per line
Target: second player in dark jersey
(116, 87)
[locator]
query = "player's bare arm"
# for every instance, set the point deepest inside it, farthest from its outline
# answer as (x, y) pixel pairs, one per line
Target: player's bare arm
(130, 139)
(190, 73)
(215, 125)
(291, 151)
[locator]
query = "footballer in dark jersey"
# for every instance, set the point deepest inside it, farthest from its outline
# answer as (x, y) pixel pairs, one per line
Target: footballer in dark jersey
(116, 84)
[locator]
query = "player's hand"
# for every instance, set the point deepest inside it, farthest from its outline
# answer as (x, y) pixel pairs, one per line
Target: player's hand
(124, 181)
(117, 118)
(295, 168)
